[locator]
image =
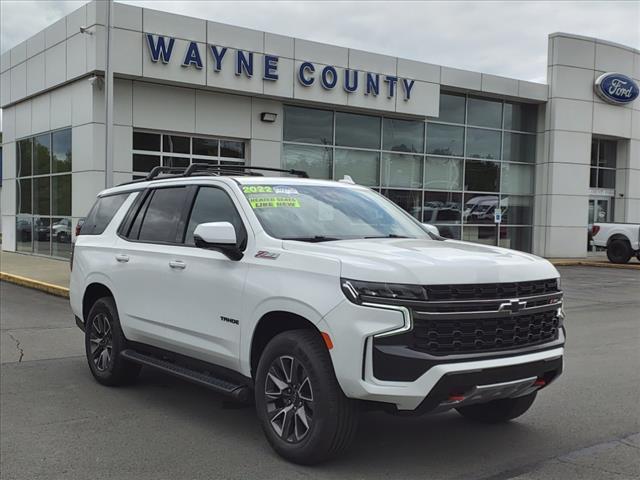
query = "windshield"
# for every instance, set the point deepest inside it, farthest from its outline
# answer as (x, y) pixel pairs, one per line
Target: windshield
(324, 213)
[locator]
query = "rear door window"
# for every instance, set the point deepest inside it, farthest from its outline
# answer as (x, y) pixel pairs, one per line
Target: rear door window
(101, 214)
(161, 216)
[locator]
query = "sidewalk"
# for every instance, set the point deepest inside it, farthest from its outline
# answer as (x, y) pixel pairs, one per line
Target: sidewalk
(52, 276)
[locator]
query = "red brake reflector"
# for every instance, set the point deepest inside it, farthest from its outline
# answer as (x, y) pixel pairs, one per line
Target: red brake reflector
(456, 398)
(327, 340)
(540, 382)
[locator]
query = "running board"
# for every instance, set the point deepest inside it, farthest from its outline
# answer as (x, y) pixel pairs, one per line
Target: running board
(237, 391)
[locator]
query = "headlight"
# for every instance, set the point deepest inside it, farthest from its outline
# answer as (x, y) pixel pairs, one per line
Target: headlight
(356, 289)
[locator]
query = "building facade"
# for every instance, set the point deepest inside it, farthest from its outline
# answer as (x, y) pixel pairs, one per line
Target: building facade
(486, 158)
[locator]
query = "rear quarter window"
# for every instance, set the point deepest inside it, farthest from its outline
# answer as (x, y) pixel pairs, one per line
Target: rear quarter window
(102, 213)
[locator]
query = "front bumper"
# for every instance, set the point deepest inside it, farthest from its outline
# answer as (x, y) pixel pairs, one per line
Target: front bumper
(352, 328)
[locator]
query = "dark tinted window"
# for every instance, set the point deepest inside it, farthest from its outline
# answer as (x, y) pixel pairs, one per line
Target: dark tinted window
(146, 141)
(205, 146)
(101, 214)
(452, 108)
(214, 205)
(176, 144)
(162, 216)
(231, 149)
(308, 125)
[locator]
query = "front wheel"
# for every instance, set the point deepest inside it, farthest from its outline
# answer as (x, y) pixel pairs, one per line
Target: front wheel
(619, 251)
(303, 411)
(498, 411)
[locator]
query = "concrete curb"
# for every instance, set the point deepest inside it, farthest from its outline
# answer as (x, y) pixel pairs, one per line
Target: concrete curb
(35, 284)
(587, 263)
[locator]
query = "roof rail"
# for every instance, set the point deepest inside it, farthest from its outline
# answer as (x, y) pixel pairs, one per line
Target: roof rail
(239, 169)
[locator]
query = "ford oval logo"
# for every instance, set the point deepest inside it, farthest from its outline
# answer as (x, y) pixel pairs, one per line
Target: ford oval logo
(616, 88)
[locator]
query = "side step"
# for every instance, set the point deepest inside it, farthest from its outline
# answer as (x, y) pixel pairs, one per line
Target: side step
(237, 391)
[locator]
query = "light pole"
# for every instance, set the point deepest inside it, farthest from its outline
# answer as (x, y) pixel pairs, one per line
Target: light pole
(108, 98)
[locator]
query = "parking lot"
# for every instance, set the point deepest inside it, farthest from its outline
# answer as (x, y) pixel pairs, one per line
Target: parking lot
(57, 422)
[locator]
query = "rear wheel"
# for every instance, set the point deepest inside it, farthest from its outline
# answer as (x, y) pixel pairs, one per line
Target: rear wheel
(619, 251)
(104, 341)
(498, 411)
(303, 411)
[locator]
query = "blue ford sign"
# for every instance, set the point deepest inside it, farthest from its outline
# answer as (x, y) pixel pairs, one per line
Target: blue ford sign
(161, 49)
(616, 88)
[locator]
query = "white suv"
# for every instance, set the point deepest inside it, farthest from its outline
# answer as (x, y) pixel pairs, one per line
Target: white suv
(314, 298)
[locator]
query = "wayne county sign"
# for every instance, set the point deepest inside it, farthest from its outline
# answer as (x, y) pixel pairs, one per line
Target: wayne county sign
(616, 88)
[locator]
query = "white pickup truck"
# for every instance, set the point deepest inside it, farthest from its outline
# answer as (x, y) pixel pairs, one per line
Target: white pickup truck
(622, 240)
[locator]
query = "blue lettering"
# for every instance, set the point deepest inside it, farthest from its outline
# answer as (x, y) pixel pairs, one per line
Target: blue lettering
(218, 55)
(329, 83)
(192, 56)
(160, 49)
(270, 67)
(349, 86)
(245, 63)
(306, 67)
(408, 85)
(373, 84)
(392, 85)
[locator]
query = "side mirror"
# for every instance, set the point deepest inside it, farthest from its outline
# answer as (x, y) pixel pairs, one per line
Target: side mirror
(431, 228)
(219, 236)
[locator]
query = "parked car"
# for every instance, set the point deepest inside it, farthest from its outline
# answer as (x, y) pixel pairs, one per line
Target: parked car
(314, 299)
(62, 230)
(622, 240)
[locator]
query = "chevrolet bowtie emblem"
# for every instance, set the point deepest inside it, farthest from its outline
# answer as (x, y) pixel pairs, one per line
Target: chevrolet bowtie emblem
(514, 305)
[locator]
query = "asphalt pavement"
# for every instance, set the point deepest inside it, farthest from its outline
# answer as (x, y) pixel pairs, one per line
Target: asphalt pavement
(56, 422)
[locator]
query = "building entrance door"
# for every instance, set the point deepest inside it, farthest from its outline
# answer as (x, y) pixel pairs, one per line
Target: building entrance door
(600, 211)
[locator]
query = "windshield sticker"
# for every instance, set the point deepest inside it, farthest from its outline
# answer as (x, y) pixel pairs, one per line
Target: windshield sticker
(274, 202)
(285, 190)
(256, 189)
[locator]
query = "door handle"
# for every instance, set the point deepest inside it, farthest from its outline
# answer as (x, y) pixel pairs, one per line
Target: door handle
(177, 264)
(122, 258)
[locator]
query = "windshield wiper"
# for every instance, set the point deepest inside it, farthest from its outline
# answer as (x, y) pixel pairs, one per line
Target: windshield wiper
(316, 238)
(391, 235)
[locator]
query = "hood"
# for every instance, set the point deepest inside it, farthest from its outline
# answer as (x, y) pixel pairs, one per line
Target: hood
(429, 262)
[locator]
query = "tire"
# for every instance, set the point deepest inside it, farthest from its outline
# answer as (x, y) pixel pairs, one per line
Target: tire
(619, 251)
(61, 237)
(331, 418)
(498, 411)
(104, 341)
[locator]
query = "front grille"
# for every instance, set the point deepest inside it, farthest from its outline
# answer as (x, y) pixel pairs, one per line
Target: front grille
(483, 291)
(456, 336)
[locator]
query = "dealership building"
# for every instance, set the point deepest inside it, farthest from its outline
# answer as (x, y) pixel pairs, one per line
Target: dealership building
(486, 158)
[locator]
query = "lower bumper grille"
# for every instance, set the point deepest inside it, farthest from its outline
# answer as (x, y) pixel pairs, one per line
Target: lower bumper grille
(465, 336)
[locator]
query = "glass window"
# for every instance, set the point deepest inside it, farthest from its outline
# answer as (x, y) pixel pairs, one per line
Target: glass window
(409, 200)
(484, 113)
(482, 176)
(401, 170)
(61, 229)
(42, 235)
(607, 153)
(479, 208)
(606, 178)
(308, 125)
(144, 163)
(214, 205)
(24, 156)
(453, 232)
(520, 116)
(443, 173)
(146, 141)
(452, 108)
(42, 150)
(229, 149)
(477, 234)
(519, 147)
(61, 195)
(205, 146)
(362, 131)
(517, 178)
(445, 140)
(316, 161)
(403, 135)
(516, 210)
(24, 225)
(517, 238)
(61, 151)
(442, 207)
(361, 165)
(176, 162)
(163, 215)
(176, 144)
(42, 196)
(24, 195)
(483, 143)
(101, 213)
